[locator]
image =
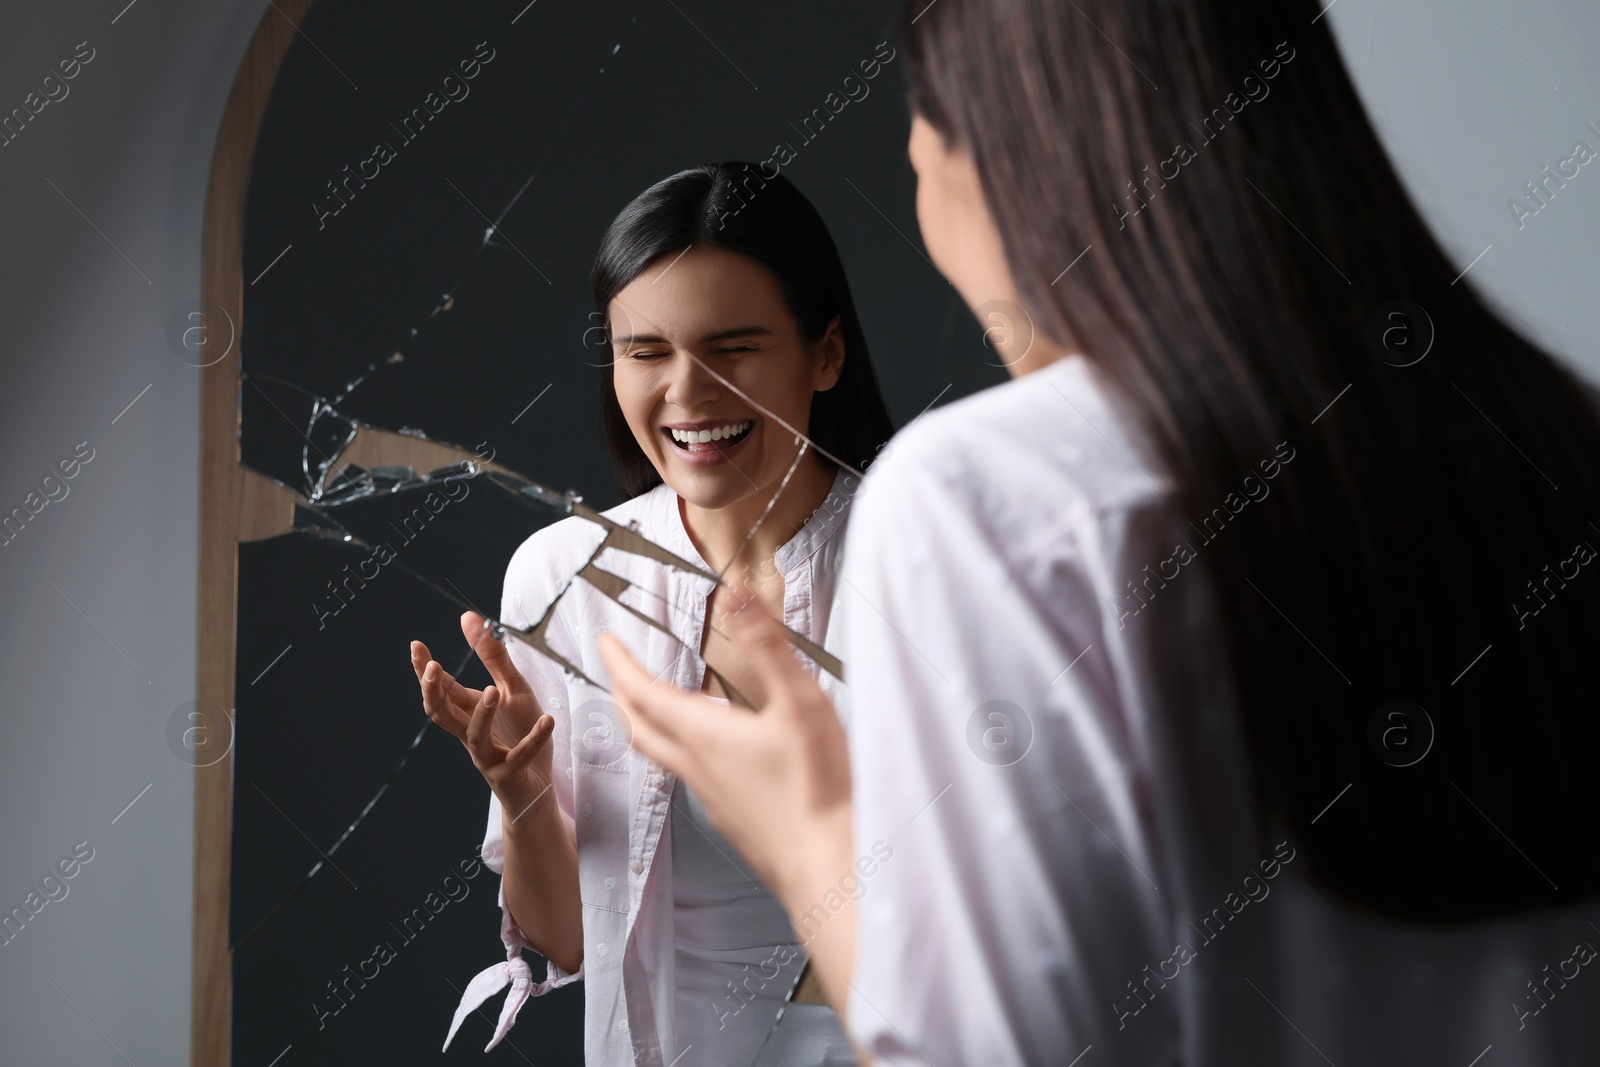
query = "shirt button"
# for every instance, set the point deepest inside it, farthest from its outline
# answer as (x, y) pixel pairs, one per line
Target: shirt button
(602, 948)
(611, 883)
(638, 865)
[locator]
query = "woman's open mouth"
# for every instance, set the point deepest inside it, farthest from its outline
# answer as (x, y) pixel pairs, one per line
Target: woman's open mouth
(712, 443)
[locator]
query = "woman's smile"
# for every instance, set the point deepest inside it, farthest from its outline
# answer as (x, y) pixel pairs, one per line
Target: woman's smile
(705, 444)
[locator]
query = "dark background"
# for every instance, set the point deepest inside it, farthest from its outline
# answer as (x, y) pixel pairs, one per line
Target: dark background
(337, 770)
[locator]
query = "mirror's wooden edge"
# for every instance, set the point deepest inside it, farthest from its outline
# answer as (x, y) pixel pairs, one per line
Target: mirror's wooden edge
(226, 498)
(237, 504)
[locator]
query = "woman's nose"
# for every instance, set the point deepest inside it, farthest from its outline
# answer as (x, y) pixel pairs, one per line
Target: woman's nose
(690, 383)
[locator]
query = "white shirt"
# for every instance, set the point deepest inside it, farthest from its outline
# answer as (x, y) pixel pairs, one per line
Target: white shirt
(1010, 709)
(620, 801)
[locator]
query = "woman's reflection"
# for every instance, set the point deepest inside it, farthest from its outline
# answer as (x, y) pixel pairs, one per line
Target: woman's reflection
(731, 325)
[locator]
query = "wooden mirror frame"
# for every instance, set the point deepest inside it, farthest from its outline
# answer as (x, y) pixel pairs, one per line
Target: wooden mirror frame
(238, 504)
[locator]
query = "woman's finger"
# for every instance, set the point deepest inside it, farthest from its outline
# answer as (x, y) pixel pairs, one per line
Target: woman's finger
(438, 685)
(527, 750)
(420, 659)
(667, 724)
(479, 738)
(652, 745)
(463, 698)
(626, 674)
(681, 716)
(492, 652)
(764, 640)
(442, 711)
(646, 737)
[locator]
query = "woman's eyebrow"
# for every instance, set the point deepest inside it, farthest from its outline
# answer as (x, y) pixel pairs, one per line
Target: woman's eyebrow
(720, 335)
(738, 331)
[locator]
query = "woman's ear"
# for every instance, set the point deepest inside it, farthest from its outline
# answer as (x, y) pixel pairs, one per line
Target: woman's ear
(831, 349)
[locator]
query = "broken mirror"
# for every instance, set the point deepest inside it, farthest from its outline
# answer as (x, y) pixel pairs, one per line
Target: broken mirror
(420, 368)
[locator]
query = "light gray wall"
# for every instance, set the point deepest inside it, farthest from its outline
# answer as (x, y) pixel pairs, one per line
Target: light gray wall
(1473, 98)
(108, 571)
(99, 591)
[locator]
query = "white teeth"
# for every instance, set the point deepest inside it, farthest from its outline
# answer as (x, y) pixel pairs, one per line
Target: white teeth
(716, 434)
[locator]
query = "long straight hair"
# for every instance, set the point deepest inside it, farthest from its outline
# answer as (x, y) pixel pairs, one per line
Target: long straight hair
(1428, 542)
(735, 206)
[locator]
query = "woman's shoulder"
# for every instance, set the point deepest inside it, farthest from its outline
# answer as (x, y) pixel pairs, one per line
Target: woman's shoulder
(1049, 449)
(554, 553)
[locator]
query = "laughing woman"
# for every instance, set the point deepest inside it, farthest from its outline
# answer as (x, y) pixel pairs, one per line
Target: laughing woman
(731, 332)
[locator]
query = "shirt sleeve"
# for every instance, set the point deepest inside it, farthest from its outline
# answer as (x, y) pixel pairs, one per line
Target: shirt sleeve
(530, 579)
(995, 788)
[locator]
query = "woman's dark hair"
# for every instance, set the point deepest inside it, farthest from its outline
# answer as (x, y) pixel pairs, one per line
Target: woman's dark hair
(1425, 544)
(737, 207)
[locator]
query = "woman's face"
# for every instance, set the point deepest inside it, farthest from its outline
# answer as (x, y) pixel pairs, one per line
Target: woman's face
(964, 243)
(712, 308)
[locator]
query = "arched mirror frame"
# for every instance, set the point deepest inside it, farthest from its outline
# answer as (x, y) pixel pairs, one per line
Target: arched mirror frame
(236, 505)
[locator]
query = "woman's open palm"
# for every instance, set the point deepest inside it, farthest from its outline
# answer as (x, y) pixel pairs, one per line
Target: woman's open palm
(502, 726)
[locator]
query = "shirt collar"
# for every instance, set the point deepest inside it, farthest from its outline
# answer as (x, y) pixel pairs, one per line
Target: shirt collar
(823, 524)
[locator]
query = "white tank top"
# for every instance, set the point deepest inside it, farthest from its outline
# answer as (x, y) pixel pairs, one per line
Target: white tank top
(736, 958)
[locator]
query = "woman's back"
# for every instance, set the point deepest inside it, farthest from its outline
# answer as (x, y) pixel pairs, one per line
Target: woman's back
(1053, 884)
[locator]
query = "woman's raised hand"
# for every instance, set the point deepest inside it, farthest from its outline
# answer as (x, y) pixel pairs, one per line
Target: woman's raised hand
(501, 726)
(775, 783)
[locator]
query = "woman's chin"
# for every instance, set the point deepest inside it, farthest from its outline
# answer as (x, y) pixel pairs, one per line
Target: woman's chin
(708, 488)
